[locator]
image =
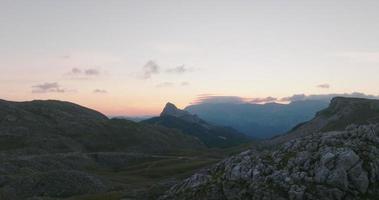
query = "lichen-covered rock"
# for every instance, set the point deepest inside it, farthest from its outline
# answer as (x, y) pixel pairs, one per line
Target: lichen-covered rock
(330, 165)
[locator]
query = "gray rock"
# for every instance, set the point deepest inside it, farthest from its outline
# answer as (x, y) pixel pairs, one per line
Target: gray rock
(339, 165)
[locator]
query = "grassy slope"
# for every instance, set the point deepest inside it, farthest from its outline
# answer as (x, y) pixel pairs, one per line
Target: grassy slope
(52, 127)
(148, 179)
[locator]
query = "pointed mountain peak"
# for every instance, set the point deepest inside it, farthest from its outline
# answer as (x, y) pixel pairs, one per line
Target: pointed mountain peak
(171, 110)
(170, 107)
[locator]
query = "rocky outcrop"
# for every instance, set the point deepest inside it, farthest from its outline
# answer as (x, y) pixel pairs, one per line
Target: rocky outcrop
(328, 165)
(341, 113)
(171, 110)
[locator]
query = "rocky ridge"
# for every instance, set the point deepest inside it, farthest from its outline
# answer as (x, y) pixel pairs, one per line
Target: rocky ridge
(171, 110)
(340, 113)
(330, 165)
(325, 161)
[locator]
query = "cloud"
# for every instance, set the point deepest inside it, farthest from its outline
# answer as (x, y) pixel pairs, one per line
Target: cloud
(91, 72)
(100, 91)
(263, 100)
(165, 84)
(83, 74)
(214, 99)
(295, 97)
(178, 70)
(76, 71)
(323, 86)
(47, 88)
(149, 69)
(209, 98)
(327, 97)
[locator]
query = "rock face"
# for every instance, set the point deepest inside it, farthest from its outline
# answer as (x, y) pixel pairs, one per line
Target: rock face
(330, 165)
(329, 162)
(341, 113)
(171, 110)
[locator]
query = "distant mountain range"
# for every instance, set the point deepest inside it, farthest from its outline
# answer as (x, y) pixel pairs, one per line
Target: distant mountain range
(210, 135)
(332, 157)
(61, 150)
(258, 120)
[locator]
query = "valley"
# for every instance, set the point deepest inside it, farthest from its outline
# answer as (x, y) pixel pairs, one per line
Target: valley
(59, 150)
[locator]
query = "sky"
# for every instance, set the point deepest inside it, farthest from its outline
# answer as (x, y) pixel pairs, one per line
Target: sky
(131, 57)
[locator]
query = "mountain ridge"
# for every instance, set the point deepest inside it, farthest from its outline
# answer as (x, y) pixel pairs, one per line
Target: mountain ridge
(261, 121)
(212, 136)
(77, 127)
(339, 162)
(54, 150)
(342, 112)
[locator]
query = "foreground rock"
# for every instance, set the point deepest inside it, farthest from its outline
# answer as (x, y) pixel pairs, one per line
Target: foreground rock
(330, 165)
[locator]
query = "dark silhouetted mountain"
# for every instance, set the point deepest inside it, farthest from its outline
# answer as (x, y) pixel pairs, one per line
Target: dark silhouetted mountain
(258, 120)
(332, 157)
(210, 135)
(56, 126)
(171, 110)
(54, 149)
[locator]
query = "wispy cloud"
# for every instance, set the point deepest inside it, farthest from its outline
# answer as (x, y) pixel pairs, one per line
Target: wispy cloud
(149, 69)
(152, 68)
(179, 69)
(327, 97)
(263, 100)
(47, 88)
(214, 99)
(210, 98)
(76, 71)
(100, 91)
(83, 74)
(91, 72)
(323, 86)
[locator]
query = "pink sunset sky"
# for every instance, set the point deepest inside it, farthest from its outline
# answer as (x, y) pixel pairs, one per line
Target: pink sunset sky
(131, 57)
